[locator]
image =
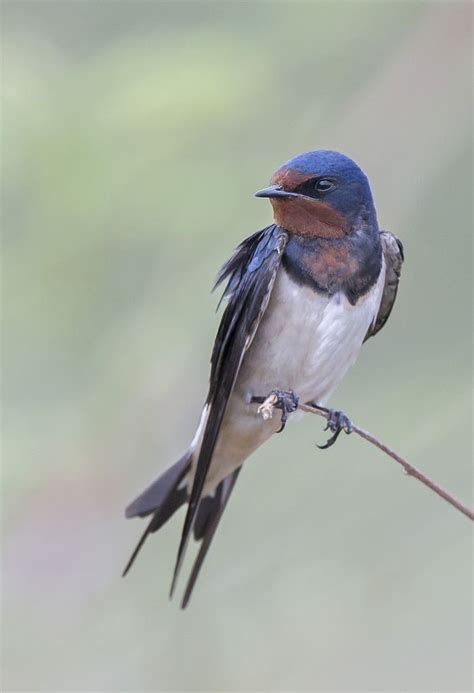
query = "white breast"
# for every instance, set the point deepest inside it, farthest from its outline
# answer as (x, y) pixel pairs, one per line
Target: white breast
(306, 341)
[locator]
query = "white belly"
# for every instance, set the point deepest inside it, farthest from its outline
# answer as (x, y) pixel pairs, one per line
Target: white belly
(306, 342)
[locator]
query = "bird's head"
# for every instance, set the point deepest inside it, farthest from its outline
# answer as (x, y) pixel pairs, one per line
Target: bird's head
(321, 194)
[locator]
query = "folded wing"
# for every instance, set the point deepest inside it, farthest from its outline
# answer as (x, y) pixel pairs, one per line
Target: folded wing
(251, 273)
(393, 253)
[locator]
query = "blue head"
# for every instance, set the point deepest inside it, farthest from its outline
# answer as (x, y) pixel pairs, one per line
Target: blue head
(321, 193)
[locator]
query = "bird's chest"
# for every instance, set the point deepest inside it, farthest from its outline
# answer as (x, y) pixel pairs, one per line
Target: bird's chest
(349, 265)
(306, 340)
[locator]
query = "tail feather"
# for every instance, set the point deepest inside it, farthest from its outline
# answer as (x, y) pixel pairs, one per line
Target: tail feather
(162, 499)
(159, 491)
(136, 550)
(164, 496)
(208, 508)
(208, 530)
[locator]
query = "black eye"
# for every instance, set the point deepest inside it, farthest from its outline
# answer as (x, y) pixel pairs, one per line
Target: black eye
(324, 185)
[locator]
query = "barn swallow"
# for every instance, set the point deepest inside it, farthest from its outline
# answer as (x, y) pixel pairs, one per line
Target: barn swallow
(303, 294)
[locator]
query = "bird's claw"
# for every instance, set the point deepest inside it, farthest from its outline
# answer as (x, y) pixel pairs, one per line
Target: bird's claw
(337, 421)
(286, 400)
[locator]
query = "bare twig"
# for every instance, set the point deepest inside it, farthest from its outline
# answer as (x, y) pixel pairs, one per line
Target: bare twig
(409, 468)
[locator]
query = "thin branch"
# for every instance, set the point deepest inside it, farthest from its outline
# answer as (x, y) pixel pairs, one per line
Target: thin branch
(409, 468)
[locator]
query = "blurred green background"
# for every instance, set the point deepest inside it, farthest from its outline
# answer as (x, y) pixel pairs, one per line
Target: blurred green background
(134, 135)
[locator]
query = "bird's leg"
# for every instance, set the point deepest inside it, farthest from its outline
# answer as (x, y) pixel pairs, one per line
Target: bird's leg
(286, 400)
(337, 421)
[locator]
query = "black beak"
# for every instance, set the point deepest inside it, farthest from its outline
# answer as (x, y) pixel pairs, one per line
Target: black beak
(274, 191)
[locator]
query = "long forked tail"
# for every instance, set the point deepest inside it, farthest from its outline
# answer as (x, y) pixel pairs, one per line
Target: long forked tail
(165, 496)
(162, 498)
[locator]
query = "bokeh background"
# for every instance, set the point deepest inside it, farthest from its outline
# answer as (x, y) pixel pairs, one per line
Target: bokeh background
(133, 137)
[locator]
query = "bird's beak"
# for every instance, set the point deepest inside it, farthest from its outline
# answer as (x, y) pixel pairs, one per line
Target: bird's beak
(274, 191)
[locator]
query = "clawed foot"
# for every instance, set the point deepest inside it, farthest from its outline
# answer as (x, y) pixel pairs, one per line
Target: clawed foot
(287, 401)
(337, 421)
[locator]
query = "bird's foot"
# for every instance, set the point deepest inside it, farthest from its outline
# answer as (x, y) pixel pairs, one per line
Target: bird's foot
(267, 406)
(337, 421)
(286, 400)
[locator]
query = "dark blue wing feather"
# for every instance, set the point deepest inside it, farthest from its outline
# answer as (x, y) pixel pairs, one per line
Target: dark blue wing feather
(251, 273)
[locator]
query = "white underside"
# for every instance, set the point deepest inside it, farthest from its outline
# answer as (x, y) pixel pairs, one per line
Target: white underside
(306, 342)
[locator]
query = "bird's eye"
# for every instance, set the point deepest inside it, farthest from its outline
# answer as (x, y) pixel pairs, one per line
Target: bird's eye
(324, 185)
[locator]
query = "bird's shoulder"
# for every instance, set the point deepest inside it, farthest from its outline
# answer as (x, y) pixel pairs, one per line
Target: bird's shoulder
(394, 256)
(250, 273)
(249, 256)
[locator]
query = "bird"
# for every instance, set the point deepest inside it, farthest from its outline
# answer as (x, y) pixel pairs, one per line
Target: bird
(302, 296)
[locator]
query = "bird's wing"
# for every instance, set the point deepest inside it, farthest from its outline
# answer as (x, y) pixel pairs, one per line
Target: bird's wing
(251, 273)
(393, 253)
(223, 492)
